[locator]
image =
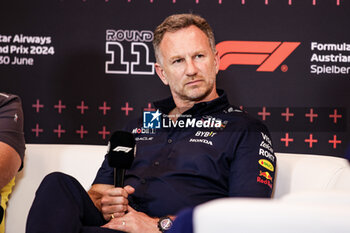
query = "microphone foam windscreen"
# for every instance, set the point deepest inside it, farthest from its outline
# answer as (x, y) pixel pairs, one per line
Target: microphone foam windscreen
(121, 150)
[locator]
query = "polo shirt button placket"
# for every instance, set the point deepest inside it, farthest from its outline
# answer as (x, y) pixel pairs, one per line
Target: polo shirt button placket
(156, 163)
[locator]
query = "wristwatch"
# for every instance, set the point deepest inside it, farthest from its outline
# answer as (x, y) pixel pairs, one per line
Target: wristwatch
(165, 223)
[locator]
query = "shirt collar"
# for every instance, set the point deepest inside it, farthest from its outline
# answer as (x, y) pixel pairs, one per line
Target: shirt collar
(168, 104)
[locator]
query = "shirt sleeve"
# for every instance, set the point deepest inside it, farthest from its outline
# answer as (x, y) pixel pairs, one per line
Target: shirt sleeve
(252, 170)
(11, 123)
(105, 174)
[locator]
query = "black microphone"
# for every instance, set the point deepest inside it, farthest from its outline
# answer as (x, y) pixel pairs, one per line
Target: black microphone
(1, 214)
(120, 155)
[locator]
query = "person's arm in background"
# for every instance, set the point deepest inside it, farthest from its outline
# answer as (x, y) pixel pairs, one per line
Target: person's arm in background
(10, 163)
(12, 144)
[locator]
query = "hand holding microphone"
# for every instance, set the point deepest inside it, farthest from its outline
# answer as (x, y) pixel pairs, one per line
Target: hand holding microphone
(115, 202)
(120, 155)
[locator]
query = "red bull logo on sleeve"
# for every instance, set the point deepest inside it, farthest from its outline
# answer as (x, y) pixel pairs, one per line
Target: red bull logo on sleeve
(266, 175)
(262, 181)
(266, 164)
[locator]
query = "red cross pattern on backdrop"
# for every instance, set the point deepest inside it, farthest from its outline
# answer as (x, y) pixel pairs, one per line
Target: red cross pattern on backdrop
(287, 116)
(82, 108)
(242, 2)
(59, 106)
(312, 121)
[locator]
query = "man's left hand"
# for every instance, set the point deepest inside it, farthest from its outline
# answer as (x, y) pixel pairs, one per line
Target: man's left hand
(134, 222)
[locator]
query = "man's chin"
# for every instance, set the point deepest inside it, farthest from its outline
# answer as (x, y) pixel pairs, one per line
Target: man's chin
(198, 95)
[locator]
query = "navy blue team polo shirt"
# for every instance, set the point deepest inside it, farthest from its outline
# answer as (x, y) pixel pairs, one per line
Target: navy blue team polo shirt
(180, 167)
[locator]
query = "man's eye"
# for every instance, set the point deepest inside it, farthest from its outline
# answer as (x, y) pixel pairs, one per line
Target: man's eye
(177, 61)
(199, 55)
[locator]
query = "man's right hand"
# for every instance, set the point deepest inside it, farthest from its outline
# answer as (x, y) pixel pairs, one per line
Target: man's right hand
(109, 200)
(114, 201)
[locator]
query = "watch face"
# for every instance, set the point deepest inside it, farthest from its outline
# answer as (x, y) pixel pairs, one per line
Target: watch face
(166, 224)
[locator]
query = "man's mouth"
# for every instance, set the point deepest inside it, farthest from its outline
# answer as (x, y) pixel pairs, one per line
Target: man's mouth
(194, 82)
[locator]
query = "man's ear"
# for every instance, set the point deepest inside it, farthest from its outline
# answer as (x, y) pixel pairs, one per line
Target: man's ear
(161, 74)
(217, 61)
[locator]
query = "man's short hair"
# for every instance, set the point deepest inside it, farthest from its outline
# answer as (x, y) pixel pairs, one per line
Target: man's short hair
(176, 22)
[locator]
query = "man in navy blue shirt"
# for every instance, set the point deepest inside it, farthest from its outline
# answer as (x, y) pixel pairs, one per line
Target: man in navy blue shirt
(206, 149)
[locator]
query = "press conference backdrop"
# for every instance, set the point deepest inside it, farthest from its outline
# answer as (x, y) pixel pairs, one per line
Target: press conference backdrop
(85, 68)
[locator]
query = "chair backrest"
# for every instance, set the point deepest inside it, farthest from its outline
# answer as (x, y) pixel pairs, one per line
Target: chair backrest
(311, 212)
(304, 172)
(294, 173)
(80, 161)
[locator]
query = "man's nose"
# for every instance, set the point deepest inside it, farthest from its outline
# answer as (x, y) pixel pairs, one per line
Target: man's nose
(191, 68)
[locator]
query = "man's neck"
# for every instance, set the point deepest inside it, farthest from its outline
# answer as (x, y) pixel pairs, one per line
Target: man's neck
(184, 105)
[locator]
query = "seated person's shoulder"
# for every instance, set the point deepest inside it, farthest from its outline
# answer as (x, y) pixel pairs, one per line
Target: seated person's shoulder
(11, 125)
(9, 99)
(243, 121)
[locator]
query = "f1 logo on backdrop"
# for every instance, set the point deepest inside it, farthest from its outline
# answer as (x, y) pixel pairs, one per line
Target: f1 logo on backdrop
(267, 54)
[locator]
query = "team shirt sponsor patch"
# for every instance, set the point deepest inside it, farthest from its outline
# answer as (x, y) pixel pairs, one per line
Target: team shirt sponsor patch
(267, 181)
(266, 164)
(262, 181)
(266, 148)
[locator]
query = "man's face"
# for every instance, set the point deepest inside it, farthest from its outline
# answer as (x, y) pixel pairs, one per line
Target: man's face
(188, 65)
